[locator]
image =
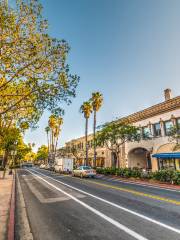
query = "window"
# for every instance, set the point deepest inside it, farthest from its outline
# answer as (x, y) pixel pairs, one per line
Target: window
(168, 125)
(178, 122)
(157, 129)
(86, 168)
(167, 164)
(177, 164)
(146, 132)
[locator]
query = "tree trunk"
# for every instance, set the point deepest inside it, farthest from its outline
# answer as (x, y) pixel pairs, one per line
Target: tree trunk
(56, 146)
(94, 136)
(48, 141)
(48, 147)
(118, 159)
(5, 159)
(52, 142)
(86, 135)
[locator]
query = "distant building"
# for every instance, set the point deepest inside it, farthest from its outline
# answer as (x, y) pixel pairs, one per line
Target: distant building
(156, 122)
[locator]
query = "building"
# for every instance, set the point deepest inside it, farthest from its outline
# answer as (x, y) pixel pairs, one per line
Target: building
(156, 122)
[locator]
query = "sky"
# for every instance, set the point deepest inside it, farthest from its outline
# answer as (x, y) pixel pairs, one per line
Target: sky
(129, 50)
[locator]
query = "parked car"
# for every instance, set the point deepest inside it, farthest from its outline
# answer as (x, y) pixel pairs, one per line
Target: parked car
(84, 171)
(47, 167)
(26, 165)
(63, 165)
(42, 166)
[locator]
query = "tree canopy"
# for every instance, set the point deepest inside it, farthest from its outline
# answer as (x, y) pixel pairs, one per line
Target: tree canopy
(42, 153)
(114, 135)
(34, 75)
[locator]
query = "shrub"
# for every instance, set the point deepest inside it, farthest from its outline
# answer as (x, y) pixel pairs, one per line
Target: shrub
(165, 175)
(14, 166)
(176, 177)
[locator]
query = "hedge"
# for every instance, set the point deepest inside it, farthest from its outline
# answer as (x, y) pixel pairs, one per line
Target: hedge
(170, 176)
(14, 166)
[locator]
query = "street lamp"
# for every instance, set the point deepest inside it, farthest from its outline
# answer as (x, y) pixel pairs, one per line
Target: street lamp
(13, 154)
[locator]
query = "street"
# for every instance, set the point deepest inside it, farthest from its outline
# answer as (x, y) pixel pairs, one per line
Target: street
(64, 207)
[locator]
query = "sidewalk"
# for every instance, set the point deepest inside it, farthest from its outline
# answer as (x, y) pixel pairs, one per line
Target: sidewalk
(140, 182)
(5, 199)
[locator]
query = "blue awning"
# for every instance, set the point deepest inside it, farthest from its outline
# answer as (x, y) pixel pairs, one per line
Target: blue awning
(167, 155)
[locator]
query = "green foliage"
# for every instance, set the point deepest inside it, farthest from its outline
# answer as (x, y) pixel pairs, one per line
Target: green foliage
(86, 109)
(14, 166)
(174, 135)
(2, 168)
(170, 176)
(22, 150)
(114, 135)
(42, 153)
(96, 100)
(34, 75)
(9, 138)
(167, 176)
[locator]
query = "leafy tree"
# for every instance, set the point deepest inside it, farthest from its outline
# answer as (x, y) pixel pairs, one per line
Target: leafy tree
(97, 100)
(42, 153)
(114, 135)
(174, 135)
(9, 138)
(47, 130)
(55, 123)
(34, 75)
(86, 109)
(72, 151)
(30, 157)
(52, 124)
(22, 149)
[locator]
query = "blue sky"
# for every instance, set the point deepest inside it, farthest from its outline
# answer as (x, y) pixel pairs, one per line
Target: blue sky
(127, 49)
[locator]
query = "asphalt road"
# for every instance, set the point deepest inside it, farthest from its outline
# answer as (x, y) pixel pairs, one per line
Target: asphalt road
(64, 207)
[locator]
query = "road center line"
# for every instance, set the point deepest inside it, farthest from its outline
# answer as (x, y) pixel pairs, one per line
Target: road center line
(114, 204)
(140, 184)
(156, 197)
(100, 214)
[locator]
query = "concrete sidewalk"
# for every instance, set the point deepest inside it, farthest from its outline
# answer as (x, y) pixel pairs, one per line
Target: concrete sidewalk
(5, 199)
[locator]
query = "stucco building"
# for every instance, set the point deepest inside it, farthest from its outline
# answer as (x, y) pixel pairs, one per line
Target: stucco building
(156, 122)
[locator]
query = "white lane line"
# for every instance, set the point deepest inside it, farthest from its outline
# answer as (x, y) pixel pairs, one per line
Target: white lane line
(115, 205)
(139, 184)
(100, 214)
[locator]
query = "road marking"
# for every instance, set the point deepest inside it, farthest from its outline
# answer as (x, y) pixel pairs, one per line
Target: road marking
(43, 199)
(139, 184)
(156, 197)
(100, 214)
(113, 179)
(114, 204)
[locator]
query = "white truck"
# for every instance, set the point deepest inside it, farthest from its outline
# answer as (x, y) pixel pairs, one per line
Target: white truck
(63, 165)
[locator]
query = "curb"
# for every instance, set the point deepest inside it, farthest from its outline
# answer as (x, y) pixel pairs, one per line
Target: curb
(12, 212)
(141, 183)
(24, 226)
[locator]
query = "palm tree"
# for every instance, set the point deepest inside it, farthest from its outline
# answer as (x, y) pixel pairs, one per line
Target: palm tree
(59, 122)
(47, 129)
(86, 109)
(52, 124)
(97, 100)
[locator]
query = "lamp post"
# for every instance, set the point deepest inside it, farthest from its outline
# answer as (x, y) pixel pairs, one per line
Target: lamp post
(13, 154)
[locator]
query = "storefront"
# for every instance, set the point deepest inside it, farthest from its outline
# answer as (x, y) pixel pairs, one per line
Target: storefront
(168, 160)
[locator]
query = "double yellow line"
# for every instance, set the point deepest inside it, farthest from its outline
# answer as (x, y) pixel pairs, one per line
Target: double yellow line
(156, 197)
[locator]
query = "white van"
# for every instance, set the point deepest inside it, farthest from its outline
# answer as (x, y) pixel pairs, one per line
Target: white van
(63, 165)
